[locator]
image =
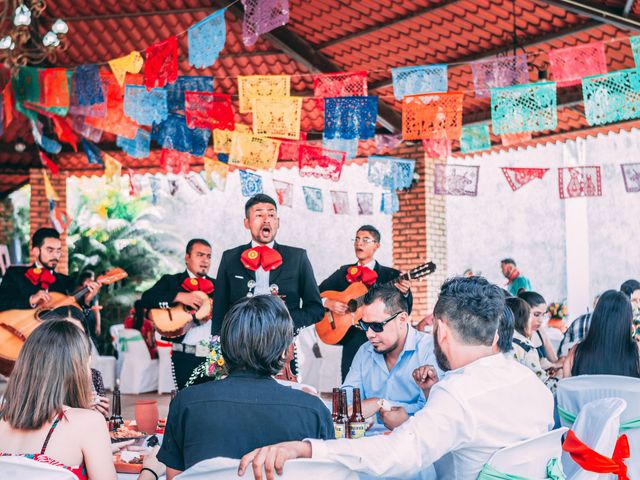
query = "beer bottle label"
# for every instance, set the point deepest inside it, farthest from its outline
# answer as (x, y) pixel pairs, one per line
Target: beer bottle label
(357, 429)
(339, 428)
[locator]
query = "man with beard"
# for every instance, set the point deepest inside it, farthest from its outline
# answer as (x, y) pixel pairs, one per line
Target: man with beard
(264, 267)
(485, 403)
(368, 271)
(382, 368)
(180, 288)
(29, 287)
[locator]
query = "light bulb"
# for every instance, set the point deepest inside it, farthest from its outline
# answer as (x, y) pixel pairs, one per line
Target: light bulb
(19, 146)
(60, 27)
(50, 40)
(5, 43)
(22, 16)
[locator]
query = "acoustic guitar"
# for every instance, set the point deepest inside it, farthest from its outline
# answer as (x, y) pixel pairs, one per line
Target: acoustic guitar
(17, 325)
(333, 326)
(178, 320)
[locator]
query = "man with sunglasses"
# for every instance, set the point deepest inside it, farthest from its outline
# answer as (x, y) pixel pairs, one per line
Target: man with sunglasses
(382, 368)
(369, 271)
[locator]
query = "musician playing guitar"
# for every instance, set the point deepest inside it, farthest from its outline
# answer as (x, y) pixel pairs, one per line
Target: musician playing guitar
(184, 288)
(25, 287)
(368, 271)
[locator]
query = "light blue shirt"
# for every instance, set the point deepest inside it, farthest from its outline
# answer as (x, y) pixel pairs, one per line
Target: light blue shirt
(369, 372)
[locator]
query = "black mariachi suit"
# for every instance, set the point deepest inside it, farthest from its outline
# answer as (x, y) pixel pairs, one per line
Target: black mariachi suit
(354, 338)
(294, 278)
(161, 295)
(16, 288)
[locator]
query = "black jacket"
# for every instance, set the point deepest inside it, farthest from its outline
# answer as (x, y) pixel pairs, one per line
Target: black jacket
(16, 288)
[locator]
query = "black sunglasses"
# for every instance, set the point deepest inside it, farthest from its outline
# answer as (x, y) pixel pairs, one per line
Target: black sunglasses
(376, 326)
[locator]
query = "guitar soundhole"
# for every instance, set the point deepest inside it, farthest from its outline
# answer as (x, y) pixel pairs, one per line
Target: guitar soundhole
(352, 306)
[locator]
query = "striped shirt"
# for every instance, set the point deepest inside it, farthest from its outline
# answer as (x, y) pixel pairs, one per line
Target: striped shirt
(574, 334)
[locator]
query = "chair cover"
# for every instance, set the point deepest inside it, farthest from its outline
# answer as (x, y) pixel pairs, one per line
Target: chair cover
(114, 331)
(322, 373)
(298, 386)
(28, 469)
(165, 375)
(139, 373)
(106, 365)
(597, 425)
(575, 392)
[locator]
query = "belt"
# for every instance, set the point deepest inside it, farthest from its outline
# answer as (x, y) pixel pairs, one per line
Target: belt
(181, 347)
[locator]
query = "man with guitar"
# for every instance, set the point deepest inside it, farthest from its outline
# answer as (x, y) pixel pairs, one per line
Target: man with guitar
(186, 288)
(368, 271)
(25, 288)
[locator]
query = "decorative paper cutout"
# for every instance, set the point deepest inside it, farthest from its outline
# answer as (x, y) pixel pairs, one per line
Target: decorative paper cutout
(209, 110)
(365, 203)
(277, 117)
(631, 175)
(340, 201)
(215, 174)
(26, 85)
(88, 85)
(570, 64)
(250, 151)
(612, 97)
(437, 148)
(176, 91)
(346, 145)
(196, 182)
(173, 133)
(456, 180)
(635, 48)
(475, 138)
(80, 126)
(206, 39)
(112, 167)
(499, 72)
(49, 145)
(579, 182)
(385, 143)
(289, 148)
(175, 162)
(341, 84)
(313, 199)
(433, 115)
(510, 139)
(350, 117)
(174, 186)
(524, 108)
(284, 193)
(154, 183)
(115, 121)
(419, 79)
(250, 182)
(519, 177)
(222, 138)
(319, 162)
(145, 106)
(93, 153)
(137, 147)
(390, 172)
(55, 89)
(53, 167)
(262, 16)
(161, 63)
(131, 63)
(98, 110)
(389, 203)
(261, 86)
(49, 192)
(134, 185)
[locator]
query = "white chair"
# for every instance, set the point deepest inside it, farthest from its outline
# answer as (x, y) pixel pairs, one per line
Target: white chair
(298, 386)
(139, 372)
(575, 392)
(165, 374)
(114, 332)
(597, 426)
(529, 458)
(22, 468)
(227, 468)
(106, 365)
(323, 373)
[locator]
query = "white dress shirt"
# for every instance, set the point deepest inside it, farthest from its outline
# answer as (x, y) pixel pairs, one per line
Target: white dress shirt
(262, 276)
(199, 332)
(474, 411)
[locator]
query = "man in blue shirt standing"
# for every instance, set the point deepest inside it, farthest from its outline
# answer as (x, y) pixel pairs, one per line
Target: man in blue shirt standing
(383, 367)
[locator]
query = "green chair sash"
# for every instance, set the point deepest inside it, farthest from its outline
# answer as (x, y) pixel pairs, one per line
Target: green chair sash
(124, 341)
(570, 418)
(554, 472)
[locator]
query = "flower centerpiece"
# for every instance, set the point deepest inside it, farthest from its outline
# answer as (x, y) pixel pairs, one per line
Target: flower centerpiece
(557, 313)
(213, 366)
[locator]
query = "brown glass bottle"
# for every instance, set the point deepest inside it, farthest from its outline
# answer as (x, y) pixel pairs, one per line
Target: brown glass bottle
(343, 419)
(335, 404)
(338, 425)
(357, 423)
(115, 421)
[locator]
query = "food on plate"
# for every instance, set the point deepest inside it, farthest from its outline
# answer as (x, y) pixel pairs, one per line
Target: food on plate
(125, 433)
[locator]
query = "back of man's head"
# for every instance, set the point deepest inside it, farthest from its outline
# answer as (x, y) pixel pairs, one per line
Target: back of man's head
(472, 307)
(255, 334)
(394, 301)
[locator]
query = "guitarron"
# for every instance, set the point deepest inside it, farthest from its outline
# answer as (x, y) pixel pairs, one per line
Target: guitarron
(178, 320)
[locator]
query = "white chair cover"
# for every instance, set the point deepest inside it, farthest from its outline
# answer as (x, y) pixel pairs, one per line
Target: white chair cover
(227, 468)
(575, 392)
(298, 386)
(21, 468)
(107, 367)
(529, 458)
(139, 373)
(597, 425)
(322, 373)
(165, 375)
(114, 332)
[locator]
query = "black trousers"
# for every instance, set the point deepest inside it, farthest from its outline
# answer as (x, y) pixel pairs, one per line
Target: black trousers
(351, 342)
(183, 366)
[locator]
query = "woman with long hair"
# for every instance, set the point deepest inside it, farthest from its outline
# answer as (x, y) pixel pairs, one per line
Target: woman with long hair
(609, 347)
(539, 338)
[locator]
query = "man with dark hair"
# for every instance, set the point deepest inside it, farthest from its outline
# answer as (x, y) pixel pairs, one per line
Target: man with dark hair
(264, 266)
(28, 287)
(368, 271)
(487, 402)
(248, 409)
(382, 368)
(180, 288)
(516, 281)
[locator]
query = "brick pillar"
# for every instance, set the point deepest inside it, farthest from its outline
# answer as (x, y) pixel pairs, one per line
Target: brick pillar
(39, 208)
(7, 225)
(436, 234)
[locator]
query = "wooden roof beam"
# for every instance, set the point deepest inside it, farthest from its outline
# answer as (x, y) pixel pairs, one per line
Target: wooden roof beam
(600, 14)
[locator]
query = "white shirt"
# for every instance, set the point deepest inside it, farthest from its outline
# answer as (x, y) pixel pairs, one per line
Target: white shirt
(196, 333)
(262, 276)
(474, 411)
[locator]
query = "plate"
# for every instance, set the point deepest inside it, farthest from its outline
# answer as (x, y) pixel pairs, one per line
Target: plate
(123, 467)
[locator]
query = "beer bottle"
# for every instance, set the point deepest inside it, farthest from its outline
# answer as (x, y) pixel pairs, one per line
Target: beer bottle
(335, 404)
(357, 423)
(344, 413)
(115, 421)
(338, 425)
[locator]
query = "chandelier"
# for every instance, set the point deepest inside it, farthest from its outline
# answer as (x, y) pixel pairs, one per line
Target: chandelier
(20, 42)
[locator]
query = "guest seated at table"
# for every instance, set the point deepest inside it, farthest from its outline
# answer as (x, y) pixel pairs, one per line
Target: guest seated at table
(383, 366)
(485, 403)
(248, 409)
(539, 338)
(138, 321)
(608, 348)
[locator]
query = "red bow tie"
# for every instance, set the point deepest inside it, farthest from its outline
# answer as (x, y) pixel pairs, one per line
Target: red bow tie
(359, 273)
(40, 276)
(198, 284)
(592, 461)
(261, 256)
